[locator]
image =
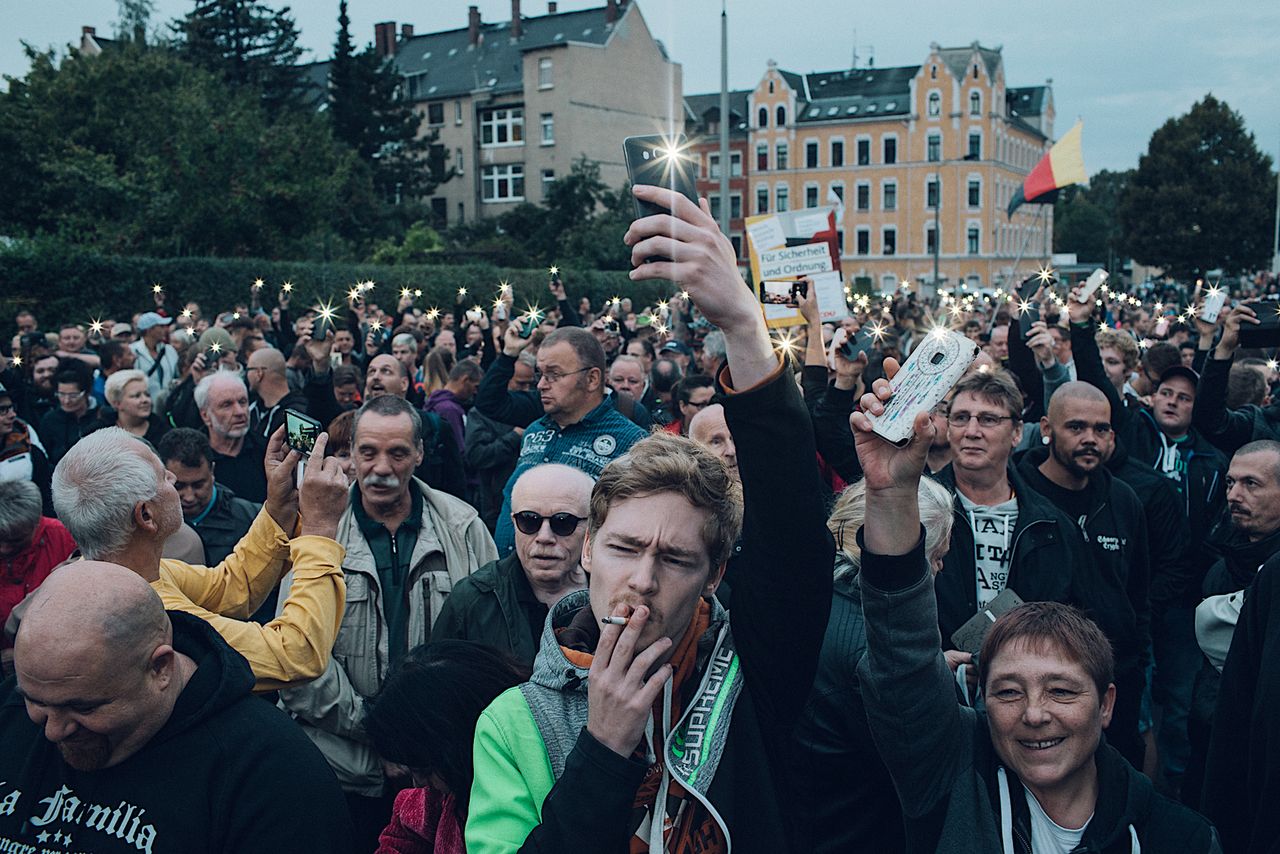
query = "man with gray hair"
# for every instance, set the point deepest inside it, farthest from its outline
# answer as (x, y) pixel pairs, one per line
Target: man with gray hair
(223, 402)
(120, 505)
(31, 545)
(407, 544)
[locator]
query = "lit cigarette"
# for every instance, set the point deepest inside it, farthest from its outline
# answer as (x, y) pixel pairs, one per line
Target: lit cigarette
(615, 621)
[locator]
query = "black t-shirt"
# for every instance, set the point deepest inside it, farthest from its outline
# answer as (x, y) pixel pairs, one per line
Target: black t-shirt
(243, 474)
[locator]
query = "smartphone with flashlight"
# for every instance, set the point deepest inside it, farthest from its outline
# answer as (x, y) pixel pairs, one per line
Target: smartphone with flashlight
(1028, 311)
(301, 431)
(1214, 300)
(933, 367)
(1096, 279)
(862, 342)
(321, 328)
(661, 161)
(530, 322)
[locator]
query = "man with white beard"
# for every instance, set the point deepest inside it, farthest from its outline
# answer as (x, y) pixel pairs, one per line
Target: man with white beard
(223, 402)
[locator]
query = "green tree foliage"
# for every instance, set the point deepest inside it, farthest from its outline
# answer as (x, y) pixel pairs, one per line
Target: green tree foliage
(1085, 219)
(248, 44)
(136, 151)
(422, 244)
(134, 16)
(1203, 196)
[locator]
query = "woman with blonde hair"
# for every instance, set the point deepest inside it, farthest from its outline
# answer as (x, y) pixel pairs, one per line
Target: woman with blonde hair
(851, 803)
(435, 370)
(129, 406)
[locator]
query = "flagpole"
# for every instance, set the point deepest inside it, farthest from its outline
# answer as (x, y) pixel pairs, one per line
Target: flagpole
(724, 118)
(1026, 238)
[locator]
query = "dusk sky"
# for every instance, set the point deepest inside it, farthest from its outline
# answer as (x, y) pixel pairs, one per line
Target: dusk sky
(1123, 67)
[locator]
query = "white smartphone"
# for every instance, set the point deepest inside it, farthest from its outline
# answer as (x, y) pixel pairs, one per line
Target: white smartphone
(935, 365)
(1214, 300)
(1096, 279)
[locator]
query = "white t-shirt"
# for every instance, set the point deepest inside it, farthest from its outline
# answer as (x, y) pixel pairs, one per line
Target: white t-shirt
(992, 539)
(1049, 837)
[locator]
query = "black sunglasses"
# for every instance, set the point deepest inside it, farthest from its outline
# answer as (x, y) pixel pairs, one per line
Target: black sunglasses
(562, 524)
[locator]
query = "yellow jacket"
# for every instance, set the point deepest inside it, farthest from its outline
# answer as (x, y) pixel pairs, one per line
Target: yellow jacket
(294, 647)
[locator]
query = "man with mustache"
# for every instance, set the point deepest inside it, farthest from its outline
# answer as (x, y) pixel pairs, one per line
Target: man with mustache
(1070, 473)
(407, 545)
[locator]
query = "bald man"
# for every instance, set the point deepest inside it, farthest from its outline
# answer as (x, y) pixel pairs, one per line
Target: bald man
(129, 728)
(505, 603)
(1069, 471)
(269, 392)
(709, 429)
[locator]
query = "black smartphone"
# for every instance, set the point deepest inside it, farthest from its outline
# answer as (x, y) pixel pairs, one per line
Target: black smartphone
(861, 342)
(212, 354)
(301, 431)
(321, 328)
(1267, 331)
(1028, 311)
(661, 161)
(799, 290)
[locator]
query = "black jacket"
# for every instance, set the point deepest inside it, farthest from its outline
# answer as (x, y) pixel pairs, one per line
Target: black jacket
(492, 606)
(244, 473)
(1230, 429)
(226, 773)
(781, 601)
(491, 454)
(847, 798)
(1242, 777)
(268, 419)
(1175, 576)
(225, 524)
(59, 431)
(1050, 562)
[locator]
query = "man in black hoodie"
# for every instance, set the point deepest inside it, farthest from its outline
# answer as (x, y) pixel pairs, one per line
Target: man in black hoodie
(129, 728)
(1071, 474)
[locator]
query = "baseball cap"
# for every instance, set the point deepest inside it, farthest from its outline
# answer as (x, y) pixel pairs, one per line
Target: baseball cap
(676, 347)
(121, 329)
(150, 319)
(1179, 371)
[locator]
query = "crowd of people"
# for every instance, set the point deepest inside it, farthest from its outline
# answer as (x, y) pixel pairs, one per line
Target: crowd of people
(642, 578)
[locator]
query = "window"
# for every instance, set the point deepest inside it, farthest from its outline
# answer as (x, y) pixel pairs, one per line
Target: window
(975, 103)
(864, 196)
(435, 113)
(934, 153)
(780, 155)
(763, 117)
(762, 157)
(715, 206)
(933, 72)
(864, 152)
(781, 116)
(735, 206)
(810, 196)
(889, 195)
(439, 210)
(811, 154)
(973, 235)
(735, 164)
(931, 188)
(782, 198)
(975, 193)
(975, 145)
(935, 105)
(863, 241)
(840, 240)
(545, 80)
(548, 129)
(502, 127)
(890, 149)
(770, 87)
(762, 200)
(713, 166)
(548, 178)
(838, 189)
(503, 183)
(457, 112)
(837, 152)
(890, 241)
(930, 240)
(736, 240)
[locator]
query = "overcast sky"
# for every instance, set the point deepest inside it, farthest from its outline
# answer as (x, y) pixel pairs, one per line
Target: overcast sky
(1124, 67)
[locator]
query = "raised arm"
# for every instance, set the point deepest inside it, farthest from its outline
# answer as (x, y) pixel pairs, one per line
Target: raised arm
(1228, 429)
(517, 408)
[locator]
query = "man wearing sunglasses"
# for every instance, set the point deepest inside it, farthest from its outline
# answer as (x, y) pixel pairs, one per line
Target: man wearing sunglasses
(504, 604)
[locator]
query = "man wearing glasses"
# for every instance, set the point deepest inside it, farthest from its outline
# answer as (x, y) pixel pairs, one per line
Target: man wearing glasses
(579, 426)
(504, 604)
(77, 412)
(1012, 535)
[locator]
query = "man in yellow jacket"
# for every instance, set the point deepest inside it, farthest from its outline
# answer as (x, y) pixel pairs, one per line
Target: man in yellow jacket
(120, 505)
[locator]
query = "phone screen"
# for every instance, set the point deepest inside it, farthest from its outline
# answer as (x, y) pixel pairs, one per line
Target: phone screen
(860, 343)
(662, 162)
(301, 431)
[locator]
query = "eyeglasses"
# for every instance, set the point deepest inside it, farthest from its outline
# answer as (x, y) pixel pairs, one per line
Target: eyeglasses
(985, 419)
(254, 368)
(562, 524)
(6, 408)
(70, 395)
(554, 377)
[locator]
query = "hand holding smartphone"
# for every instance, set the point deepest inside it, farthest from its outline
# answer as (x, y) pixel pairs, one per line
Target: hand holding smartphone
(301, 431)
(935, 365)
(1096, 279)
(660, 161)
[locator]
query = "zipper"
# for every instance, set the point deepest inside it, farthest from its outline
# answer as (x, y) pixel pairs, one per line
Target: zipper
(1014, 548)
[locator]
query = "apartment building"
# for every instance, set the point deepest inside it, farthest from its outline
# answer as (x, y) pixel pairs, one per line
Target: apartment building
(515, 103)
(923, 158)
(702, 126)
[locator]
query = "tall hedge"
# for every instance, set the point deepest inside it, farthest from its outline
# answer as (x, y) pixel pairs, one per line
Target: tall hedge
(60, 283)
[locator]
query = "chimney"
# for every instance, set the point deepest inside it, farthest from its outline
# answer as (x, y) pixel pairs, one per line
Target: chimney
(473, 24)
(515, 19)
(384, 39)
(88, 31)
(611, 11)
(406, 32)
(551, 7)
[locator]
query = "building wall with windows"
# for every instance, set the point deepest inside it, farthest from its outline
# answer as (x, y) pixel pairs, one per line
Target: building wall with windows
(911, 153)
(702, 125)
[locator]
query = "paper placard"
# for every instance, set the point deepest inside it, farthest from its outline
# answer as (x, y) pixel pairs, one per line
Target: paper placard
(831, 303)
(767, 234)
(806, 260)
(812, 223)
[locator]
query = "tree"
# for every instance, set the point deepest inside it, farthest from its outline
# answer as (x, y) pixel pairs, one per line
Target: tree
(133, 20)
(369, 113)
(135, 151)
(567, 225)
(1203, 196)
(248, 45)
(1085, 218)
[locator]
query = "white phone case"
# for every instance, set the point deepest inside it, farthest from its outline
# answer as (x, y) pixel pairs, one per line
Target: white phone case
(1096, 279)
(935, 365)
(1214, 300)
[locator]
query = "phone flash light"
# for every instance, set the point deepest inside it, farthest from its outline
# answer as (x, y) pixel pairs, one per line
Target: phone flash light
(155, 289)
(257, 284)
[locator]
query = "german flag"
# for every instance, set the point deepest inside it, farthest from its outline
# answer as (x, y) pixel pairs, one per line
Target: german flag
(1061, 167)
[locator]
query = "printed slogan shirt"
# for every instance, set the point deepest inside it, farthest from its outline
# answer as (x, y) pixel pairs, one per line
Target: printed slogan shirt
(992, 539)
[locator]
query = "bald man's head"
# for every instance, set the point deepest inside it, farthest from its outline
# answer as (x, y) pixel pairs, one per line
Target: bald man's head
(709, 429)
(95, 663)
(269, 358)
(1078, 432)
(1069, 396)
